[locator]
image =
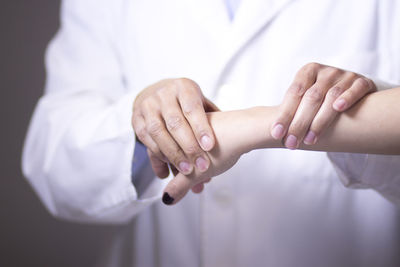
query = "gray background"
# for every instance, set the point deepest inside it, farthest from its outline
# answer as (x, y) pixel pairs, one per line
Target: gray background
(29, 236)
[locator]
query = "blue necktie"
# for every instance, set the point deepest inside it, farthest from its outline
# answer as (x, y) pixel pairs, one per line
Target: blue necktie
(142, 173)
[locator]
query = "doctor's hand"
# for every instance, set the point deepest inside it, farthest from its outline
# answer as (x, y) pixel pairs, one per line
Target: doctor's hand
(316, 96)
(232, 131)
(169, 118)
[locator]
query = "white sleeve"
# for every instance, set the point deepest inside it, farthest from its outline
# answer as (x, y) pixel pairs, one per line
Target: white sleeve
(378, 172)
(79, 147)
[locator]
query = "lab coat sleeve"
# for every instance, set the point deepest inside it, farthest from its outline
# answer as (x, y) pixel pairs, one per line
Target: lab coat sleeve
(79, 147)
(378, 172)
(368, 171)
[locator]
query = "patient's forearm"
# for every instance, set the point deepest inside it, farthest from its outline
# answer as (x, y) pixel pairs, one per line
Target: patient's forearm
(371, 126)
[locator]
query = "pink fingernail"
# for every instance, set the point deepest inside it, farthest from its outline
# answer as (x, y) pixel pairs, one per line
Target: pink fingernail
(278, 131)
(206, 142)
(339, 104)
(291, 142)
(185, 167)
(201, 164)
(310, 138)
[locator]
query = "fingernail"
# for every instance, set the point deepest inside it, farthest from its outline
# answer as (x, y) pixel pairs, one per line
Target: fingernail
(310, 138)
(167, 199)
(291, 142)
(206, 142)
(184, 167)
(339, 104)
(278, 131)
(201, 164)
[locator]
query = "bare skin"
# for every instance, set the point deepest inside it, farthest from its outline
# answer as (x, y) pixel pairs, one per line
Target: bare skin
(316, 96)
(371, 126)
(169, 117)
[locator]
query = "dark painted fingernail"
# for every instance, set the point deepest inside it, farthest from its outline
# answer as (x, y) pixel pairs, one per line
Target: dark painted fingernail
(167, 199)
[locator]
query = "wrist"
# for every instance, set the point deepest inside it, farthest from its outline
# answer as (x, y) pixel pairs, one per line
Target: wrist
(259, 121)
(245, 130)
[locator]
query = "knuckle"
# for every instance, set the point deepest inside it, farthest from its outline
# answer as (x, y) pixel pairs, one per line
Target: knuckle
(162, 92)
(147, 104)
(362, 82)
(154, 128)
(173, 153)
(352, 75)
(190, 108)
(192, 150)
(185, 83)
(314, 95)
(335, 92)
(296, 90)
(176, 158)
(141, 133)
(311, 67)
(174, 122)
(331, 73)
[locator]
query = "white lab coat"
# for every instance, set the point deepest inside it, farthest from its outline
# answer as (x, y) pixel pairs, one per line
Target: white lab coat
(275, 207)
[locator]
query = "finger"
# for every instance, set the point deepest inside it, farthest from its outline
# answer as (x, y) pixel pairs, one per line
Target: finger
(156, 128)
(159, 167)
(361, 86)
(198, 188)
(306, 112)
(139, 127)
(324, 117)
(326, 113)
(191, 103)
(182, 133)
(304, 79)
(207, 180)
(176, 189)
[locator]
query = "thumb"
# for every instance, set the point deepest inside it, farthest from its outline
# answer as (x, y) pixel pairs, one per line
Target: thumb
(176, 189)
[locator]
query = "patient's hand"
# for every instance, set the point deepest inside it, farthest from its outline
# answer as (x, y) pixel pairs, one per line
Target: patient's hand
(237, 132)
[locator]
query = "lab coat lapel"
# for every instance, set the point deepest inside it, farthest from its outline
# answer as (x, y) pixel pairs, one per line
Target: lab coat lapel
(252, 17)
